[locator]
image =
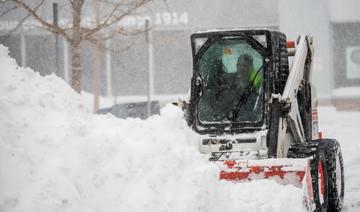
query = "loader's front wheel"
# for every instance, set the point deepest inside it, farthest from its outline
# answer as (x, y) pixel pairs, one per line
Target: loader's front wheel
(320, 176)
(327, 172)
(318, 169)
(335, 172)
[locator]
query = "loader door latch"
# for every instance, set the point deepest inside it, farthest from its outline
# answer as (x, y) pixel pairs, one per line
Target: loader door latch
(198, 86)
(285, 104)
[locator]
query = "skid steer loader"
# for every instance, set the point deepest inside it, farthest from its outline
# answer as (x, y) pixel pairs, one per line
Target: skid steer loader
(257, 116)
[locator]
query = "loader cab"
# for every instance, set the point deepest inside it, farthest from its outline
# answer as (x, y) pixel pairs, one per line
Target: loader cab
(227, 69)
(232, 80)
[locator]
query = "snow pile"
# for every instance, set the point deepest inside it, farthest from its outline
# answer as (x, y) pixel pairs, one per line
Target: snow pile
(56, 156)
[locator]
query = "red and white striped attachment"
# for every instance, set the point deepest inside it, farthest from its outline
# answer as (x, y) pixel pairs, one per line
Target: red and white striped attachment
(282, 170)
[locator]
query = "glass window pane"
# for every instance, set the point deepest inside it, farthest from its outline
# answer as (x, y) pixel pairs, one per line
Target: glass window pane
(229, 68)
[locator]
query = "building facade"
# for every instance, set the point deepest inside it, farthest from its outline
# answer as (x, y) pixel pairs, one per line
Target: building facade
(164, 62)
(125, 72)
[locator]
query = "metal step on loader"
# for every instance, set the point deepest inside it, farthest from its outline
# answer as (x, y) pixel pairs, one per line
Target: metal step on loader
(257, 115)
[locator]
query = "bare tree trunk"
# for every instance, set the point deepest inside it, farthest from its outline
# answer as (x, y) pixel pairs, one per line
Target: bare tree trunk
(97, 60)
(76, 68)
(76, 45)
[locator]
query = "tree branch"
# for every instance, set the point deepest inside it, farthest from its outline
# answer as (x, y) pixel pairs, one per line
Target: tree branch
(22, 20)
(113, 50)
(123, 32)
(7, 11)
(112, 20)
(50, 27)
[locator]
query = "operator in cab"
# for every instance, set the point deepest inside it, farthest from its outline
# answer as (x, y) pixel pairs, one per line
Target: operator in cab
(247, 72)
(234, 79)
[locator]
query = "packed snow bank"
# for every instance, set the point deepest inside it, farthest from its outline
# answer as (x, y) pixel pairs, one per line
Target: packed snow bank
(57, 156)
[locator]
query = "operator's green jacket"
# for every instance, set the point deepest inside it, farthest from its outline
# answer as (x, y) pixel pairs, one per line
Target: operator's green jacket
(256, 80)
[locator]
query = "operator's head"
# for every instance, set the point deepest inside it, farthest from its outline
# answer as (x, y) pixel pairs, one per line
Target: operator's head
(245, 62)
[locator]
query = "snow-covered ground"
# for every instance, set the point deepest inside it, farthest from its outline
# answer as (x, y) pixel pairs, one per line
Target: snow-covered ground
(349, 92)
(345, 127)
(57, 156)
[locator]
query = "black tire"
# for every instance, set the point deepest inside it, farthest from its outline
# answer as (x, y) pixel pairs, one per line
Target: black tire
(326, 152)
(279, 78)
(281, 61)
(335, 166)
(273, 129)
(318, 155)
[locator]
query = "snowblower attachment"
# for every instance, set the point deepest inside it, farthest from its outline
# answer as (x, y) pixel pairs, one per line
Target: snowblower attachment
(258, 118)
(284, 171)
